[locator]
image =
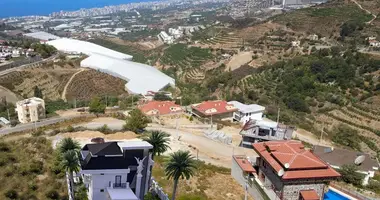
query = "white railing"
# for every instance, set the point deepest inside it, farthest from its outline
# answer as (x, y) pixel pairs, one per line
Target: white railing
(157, 190)
(69, 186)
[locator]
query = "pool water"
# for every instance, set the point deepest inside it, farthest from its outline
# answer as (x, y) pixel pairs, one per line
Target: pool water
(331, 195)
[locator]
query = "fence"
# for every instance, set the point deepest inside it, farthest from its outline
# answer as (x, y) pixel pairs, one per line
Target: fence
(157, 190)
(69, 186)
(351, 192)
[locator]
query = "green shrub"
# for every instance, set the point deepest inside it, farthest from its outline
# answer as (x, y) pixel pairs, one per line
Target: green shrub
(70, 129)
(11, 194)
(36, 167)
(52, 194)
(4, 147)
(33, 186)
(37, 133)
(349, 174)
(105, 129)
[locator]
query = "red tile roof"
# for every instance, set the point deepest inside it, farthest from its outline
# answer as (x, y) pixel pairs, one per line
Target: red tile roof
(244, 164)
(160, 108)
(309, 195)
(290, 159)
(214, 107)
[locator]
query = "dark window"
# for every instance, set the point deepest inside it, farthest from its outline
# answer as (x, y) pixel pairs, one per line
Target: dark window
(117, 181)
(101, 190)
(101, 174)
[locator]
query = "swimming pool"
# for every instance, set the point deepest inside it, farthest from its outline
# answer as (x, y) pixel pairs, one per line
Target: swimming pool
(332, 195)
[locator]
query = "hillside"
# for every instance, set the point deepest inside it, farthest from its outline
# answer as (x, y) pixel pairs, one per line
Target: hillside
(28, 171)
(90, 83)
(52, 79)
(325, 20)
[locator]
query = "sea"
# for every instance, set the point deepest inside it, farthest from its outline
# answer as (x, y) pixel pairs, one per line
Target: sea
(13, 8)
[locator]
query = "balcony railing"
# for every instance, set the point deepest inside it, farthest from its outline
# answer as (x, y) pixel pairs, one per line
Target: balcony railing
(120, 185)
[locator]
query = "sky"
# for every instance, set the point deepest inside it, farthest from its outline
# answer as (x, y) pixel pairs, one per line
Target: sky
(10, 8)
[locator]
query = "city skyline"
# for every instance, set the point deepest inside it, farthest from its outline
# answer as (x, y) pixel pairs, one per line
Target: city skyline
(23, 8)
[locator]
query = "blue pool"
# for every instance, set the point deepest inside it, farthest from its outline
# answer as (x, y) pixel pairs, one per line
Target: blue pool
(331, 195)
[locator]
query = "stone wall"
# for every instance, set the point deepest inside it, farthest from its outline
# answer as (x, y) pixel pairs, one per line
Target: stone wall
(291, 192)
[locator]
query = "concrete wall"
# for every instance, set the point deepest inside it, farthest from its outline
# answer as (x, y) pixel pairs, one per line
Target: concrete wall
(237, 173)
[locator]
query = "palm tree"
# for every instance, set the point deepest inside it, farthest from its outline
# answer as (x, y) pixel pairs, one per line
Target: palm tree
(70, 162)
(181, 164)
(160, 142)
(68, 144)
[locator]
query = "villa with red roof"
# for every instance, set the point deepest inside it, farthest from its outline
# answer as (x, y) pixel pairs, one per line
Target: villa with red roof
(160, 108)
(286, 170)
(217, 109)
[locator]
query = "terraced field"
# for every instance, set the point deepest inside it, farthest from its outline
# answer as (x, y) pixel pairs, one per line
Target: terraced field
(50, 80)
(226, 40)
(90, 83)
(184, 57)
(195, 74)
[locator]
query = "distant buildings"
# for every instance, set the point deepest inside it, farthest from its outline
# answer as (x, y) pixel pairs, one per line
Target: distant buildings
(247, 112)
(259, 131)
(283, 170)
(165, 38)
(160, 108)
(217, 109)
(336, 158)
(30, 110)
(116, 170)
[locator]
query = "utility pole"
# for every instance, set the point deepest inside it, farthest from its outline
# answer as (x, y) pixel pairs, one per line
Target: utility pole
(106, 101)
(278, 115)
(9, 116)
(323, 126)
(211, 122)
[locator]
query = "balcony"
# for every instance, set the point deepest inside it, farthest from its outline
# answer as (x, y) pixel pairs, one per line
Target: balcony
(120, 185)
(120, 191)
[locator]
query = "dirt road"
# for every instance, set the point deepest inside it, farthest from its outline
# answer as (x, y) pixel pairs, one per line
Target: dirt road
(207, 150)
(68, 83)
(9, 95)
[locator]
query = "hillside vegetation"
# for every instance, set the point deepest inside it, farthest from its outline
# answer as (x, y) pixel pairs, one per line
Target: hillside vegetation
(28, 171)
(325, 20)
(181, 56)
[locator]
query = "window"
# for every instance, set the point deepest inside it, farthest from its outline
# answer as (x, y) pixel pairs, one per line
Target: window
(117, 181)
(101, 174)
(101, 190)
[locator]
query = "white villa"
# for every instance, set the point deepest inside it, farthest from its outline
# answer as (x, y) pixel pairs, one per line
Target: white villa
(117, 170)
(247, 112)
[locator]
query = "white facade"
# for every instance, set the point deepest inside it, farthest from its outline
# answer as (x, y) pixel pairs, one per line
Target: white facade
(30, 110)
(165, 37)
(247, 112)
(104, 184)
(112, 183)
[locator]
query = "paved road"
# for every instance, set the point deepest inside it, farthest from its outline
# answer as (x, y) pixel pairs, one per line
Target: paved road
(31, 126)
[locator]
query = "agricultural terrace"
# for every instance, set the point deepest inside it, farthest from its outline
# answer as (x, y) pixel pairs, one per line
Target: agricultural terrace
(213, 36)
(180, 55)
(325, 20)
(90, 83)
